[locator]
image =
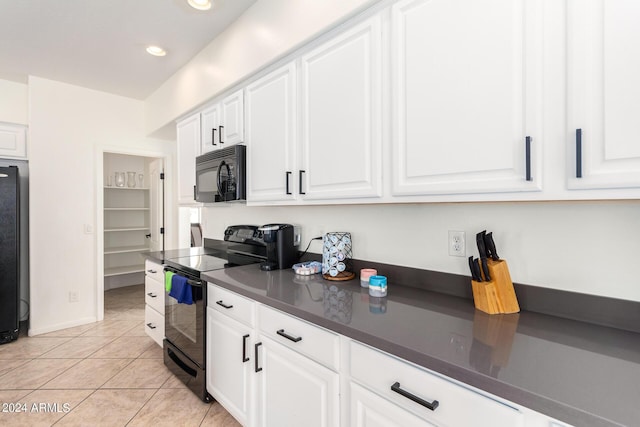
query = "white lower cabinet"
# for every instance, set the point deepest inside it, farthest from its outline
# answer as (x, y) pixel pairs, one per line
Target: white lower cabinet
(293, 390)
(154, 301)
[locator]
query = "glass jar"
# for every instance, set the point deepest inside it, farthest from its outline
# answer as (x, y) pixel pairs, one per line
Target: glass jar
(131, 179)
(119, 179)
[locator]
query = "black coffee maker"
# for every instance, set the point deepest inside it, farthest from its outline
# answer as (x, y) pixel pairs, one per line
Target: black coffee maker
(281, 246)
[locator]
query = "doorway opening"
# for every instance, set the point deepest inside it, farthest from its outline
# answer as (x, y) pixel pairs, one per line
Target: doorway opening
(133, 216)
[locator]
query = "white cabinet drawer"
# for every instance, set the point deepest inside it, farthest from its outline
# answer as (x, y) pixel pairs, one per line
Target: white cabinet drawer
(154, 324)
(231, 304)
(154, 294)
(154, 270)
(457, 405)
(310, 340)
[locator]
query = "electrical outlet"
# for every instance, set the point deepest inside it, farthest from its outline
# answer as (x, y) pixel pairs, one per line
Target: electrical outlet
(73, 296)
(456, 243)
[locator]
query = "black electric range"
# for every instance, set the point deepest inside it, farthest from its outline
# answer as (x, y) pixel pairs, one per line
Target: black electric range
(185, 316)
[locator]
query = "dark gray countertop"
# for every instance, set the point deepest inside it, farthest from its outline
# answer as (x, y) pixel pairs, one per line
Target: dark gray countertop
(576, 372)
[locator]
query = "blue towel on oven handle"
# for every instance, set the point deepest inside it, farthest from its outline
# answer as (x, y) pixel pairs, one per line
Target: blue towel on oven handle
(181, 290)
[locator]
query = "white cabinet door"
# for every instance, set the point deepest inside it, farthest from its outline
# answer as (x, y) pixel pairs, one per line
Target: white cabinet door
(603, 48)
(294, 391)
(232, 123)
(13, 141)
(341, 115)
(466, 95)
(271, 129)
(188, 141)
(229, 357)
(370, 410)
(210, 118)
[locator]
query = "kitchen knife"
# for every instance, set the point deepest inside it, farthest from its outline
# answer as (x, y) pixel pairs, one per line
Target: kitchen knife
(476, 269)
(474, 276)
(485, 269)
(490, 246)
(482, 250)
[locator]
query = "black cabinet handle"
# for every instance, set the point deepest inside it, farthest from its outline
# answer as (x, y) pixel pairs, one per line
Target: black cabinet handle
(213, 136)
(194, 193)
(255, 349)
(300, 183)
(151, 271)
(150, 326)
(220, 303)
(148, 236)
(282, 333)
(429, 405)
(220, 135)
(152, 295)
(244, 348)
(578, 153)
(287, 175)
(527, 150)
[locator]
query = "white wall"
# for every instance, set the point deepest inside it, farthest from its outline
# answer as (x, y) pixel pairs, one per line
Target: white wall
(70, 126)
(13, 102)
(267, 30)
(586, 247)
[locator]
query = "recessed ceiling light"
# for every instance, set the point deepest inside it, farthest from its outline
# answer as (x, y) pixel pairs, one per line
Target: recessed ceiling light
(200, 4)
(156, 51)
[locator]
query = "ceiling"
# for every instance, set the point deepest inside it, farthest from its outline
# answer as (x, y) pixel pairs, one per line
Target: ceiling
(100, 44)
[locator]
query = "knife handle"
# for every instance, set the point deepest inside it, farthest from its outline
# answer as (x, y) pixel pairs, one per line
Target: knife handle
(485, 270)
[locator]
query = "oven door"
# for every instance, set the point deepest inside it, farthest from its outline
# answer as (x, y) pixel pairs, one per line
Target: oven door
(185, 323)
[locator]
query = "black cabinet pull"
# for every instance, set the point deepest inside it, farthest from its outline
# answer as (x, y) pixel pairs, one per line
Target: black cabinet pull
(151, 271)
(220, 135)
(152, 295)
(282, 333)
(578, 153)
(148, 236)
(429, 405)
(213, 136)
(287, 175)
(220, 303)
(255, 349)
(300, 183)
(527, 151)
(244, 348)
(194, 193)
(150, 326)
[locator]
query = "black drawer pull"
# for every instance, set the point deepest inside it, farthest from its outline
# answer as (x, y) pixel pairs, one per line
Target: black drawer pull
(152, 295)
(287, 336)
(151, 271)
(527, 150)
(150, 326)
(220, 303)
(287, 181)
(578, 153)
(429, 405)
(255, 349)
(244, 348)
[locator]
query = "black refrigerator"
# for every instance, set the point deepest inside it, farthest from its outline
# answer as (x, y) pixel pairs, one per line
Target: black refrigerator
(9, 253)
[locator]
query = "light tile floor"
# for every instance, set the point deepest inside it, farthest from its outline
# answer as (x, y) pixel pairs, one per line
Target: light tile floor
(108, 373)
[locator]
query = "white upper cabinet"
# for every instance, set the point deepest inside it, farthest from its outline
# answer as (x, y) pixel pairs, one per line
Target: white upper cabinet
(223, 123)
(13, 141)
(341, 116)
(466, 96)
(188, 145)
(603, 50)
(271, 136)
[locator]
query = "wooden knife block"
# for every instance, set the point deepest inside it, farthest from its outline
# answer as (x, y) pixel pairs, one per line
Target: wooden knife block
(498, 295)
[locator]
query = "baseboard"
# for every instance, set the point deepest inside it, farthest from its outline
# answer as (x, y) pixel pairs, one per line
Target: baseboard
(59, 326)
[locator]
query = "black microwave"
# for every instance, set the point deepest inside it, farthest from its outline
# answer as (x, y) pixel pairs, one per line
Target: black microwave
(221, 175)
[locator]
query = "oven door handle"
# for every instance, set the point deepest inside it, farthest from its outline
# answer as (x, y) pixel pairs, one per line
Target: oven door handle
(193, 282)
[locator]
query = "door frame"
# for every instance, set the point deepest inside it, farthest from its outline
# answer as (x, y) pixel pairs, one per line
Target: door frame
(169, 216)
